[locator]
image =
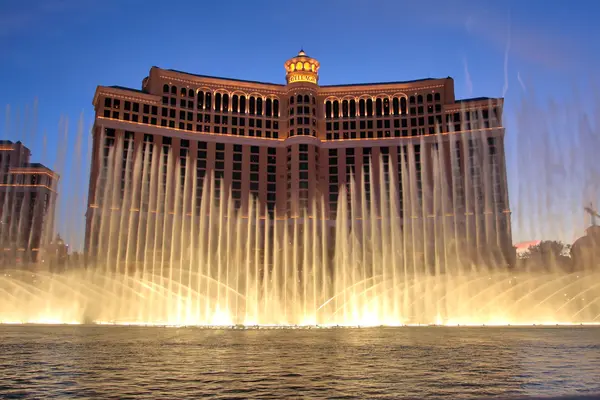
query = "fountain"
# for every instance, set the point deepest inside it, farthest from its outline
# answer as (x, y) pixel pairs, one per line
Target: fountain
(391, 260)
(210, 264)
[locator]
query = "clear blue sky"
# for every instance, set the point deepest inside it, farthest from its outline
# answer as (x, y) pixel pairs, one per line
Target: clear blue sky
(59, 51)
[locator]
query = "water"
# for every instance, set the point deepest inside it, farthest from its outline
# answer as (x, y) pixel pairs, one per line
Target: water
(136, 362)
(166, 258)
(403, 256)
(93, 296)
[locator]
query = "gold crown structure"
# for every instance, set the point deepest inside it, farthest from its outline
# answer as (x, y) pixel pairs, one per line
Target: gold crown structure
(302, 68)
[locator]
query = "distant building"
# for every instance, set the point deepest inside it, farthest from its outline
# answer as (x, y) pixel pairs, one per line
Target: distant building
(56, 254)
(286, 144)
(27, 200)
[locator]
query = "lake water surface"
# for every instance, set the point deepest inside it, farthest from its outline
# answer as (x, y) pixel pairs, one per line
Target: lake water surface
(140, 362)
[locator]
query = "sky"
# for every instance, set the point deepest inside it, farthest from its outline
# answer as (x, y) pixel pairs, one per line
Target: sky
(540, 55)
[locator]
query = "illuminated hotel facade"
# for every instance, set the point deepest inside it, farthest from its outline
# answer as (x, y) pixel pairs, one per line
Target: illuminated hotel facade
(27, 202)
(285, 144)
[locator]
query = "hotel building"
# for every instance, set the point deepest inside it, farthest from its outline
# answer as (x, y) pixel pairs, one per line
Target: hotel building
(286, 144)
(27, 200)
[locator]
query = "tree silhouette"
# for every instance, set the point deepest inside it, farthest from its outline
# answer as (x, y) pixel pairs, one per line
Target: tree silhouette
(548, 255)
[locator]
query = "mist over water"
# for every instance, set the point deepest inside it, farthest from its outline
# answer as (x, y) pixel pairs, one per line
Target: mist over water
(208, 264)
(552, 164)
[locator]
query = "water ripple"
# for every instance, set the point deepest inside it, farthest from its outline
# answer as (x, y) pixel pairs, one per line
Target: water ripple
(144, 363)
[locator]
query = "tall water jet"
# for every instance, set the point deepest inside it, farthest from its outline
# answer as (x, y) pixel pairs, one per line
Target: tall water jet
(233, 267)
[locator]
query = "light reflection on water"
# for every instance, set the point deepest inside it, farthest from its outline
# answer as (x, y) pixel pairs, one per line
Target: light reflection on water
(120, 362)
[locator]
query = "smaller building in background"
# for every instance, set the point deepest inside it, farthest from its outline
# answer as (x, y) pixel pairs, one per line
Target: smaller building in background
(27, 201)
(56, 254)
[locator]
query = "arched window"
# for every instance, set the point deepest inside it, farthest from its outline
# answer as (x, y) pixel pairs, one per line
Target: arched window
(361, 107)
(259, 108)
(252, 107)
(306, 99)
(429, 97)
(243, 104)
(314, 101)
(328, 109)
(395, 106)
(200, 100)
(436, 97)
(378, 107)
(235, 103)
(225, 102)
(369, 107)
(183, 92)
(208, 102)
(352, 108)
(403, 105)
(191, 93)
(269, 108)
(412, 100)
(336, 109)
(165, 88)
(345, 108)
(276, 108)
(386, 106)
(419, 99)
(291, 99)
(174, 90)
(299, 98)
(217, 101)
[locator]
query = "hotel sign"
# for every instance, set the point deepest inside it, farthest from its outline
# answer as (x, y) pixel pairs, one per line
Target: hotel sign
(302, 78)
